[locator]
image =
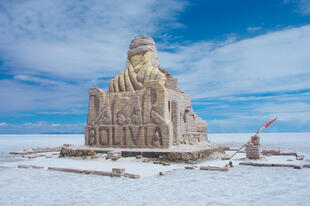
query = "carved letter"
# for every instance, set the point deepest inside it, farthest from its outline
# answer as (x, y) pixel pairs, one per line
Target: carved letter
(145, 136)
(157, 139)
(134, 134)
(124, 136)
(146, 106)
(104, 136)
(91, 136)
(116, 134)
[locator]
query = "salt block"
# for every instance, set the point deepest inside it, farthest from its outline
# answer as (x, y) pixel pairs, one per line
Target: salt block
(213, 168)
(88, 172)
(189, 167)
(139, 157)
(283, 165)
(23, 166)
(118, 170)
(110, 174)
(245, 163)
(32, 157)
(258, 164)
(300, 157)
(113, 155)
(252, 151)
(36, 167)
(66, 170)
(270, 152)
(133, 176)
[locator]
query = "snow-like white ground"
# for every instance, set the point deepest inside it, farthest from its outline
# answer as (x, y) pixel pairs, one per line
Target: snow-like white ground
(241, 185)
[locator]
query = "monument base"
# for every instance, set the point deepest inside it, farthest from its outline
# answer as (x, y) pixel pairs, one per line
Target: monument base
(189, 153)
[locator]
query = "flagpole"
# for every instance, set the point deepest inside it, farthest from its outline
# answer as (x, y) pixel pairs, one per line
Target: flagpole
(259, 131)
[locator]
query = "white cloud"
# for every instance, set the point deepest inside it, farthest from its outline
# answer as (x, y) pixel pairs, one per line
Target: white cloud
(41, 127)
(273, 62)
(55, 125)
(78, 39)
(73, 111)
(3, 124)
(275, 97)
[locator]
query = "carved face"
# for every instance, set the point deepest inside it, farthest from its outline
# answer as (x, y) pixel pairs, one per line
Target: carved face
(92, 132)
(156, 139)
(92, 140)
(121, 119)
(128, 120)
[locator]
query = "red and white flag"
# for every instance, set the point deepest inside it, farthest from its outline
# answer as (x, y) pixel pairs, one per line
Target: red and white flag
(266, 125)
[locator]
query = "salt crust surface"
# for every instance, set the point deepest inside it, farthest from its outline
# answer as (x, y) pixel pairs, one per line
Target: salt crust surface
(240, 186)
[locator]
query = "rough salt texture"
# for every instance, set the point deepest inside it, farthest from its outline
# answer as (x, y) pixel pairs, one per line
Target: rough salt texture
(171, 155)
(144, 108)
(252, 151)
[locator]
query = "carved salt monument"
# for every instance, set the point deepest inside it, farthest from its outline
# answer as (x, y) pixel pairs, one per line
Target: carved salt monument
(143, 108)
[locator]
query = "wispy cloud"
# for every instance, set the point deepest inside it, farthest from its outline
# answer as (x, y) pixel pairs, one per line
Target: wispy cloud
(32, 79)
(254, 29)
(41, 127)
(237, 115)
(303, 6)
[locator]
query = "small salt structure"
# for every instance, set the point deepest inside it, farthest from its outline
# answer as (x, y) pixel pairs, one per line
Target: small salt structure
(252, 148)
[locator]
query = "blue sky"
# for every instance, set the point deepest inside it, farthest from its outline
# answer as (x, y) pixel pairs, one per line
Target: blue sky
(242, 61)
